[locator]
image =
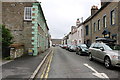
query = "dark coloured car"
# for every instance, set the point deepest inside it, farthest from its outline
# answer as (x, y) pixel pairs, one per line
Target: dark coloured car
(82, 49)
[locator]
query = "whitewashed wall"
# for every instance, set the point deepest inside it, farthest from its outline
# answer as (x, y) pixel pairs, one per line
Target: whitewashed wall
(80, 34)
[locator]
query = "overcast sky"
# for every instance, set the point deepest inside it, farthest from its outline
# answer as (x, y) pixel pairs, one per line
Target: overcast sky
(62, 14)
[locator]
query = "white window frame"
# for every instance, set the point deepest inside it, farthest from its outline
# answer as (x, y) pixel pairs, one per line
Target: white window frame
(28, 13)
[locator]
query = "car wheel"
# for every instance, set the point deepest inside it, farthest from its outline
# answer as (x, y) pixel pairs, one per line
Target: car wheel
(107, 63)
(76, 52)
(80, 53)
(90, 57)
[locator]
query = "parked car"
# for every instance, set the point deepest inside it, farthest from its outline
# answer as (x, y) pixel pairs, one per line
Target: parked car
(64, 46)
(68, 47)
(105, 40)
(61, 45)
(109, 54)
(53, 45)
(72, 48)
(82, 49)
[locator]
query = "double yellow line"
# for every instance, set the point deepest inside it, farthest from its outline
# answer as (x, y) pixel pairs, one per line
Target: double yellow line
(46, 70)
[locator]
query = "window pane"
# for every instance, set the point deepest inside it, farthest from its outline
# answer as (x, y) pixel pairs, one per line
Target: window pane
(112, 17)
(98, 24)
(28, 12)
(87, 30)
(104, 22)
(94, 27)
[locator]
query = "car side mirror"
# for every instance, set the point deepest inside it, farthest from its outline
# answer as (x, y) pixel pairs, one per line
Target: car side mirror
(102, 49)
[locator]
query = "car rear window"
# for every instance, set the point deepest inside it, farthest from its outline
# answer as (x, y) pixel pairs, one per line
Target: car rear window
(114, 47)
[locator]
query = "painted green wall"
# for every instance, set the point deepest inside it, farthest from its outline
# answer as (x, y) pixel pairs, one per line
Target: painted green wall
(39, 39)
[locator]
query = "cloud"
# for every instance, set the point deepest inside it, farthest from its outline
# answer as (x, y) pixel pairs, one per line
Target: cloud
(62, 14)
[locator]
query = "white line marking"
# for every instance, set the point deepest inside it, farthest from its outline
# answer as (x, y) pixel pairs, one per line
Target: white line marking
(100, 75)
(2, 63)
(90, 68)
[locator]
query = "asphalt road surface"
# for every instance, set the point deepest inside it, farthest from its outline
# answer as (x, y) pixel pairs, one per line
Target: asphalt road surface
(67, 64)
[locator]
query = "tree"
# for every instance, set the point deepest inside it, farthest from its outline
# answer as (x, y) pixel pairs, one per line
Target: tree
(6, 37)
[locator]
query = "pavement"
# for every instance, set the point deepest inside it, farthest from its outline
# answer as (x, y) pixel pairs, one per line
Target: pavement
(2, 62)
(22, 68)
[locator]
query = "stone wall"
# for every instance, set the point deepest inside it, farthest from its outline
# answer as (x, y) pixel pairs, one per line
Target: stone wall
(113, 29)
(16, 50)
(27, 32)
(0, 12)
(13, 18)
(88, 37)
(119, 22)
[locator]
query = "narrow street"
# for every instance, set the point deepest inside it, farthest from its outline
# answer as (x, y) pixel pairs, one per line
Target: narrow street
(41, 39)
(67, 64)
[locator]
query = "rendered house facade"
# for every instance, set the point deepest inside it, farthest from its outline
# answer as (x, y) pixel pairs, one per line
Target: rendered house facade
(39, 29)
(76, 36)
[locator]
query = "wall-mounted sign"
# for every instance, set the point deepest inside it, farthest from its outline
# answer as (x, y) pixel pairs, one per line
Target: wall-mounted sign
(30, 51)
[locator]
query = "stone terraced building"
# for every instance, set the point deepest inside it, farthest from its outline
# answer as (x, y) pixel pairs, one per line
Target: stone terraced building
(28, 25)
(103, 22)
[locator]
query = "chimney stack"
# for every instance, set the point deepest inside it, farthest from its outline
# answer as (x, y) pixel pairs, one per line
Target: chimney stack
(103, 2)
(94, 9)
(77, 22)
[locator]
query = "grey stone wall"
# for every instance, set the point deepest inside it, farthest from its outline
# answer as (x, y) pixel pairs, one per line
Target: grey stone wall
(119, 22)
(89, 36)
(114, 29)
(0, 12)
(13, 18)
(27, 35)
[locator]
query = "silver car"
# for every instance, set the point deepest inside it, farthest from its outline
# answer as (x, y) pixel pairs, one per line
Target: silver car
(109, 54)
(72, 48)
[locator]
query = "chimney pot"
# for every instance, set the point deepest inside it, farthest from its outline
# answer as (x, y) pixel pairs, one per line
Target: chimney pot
(94, 9)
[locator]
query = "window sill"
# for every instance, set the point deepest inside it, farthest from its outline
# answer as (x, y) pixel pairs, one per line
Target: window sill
(27, 20)
(113, 24)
